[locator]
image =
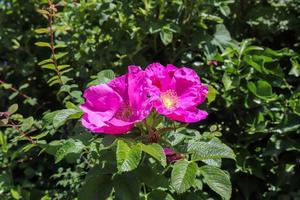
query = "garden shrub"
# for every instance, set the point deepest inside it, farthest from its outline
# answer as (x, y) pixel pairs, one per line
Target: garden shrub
(52, 52)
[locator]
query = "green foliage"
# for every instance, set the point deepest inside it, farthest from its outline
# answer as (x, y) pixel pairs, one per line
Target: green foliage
(214, 149)
(217, 180)
(128, 158)
(156, 151)
(69, 146)
(246, 149)
(183, 175)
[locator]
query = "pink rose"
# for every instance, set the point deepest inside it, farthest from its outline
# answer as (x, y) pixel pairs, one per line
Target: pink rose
(176, 92)
(113, 108)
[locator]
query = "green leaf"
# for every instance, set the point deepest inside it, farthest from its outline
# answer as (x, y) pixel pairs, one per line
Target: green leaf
(60, 46)
(3, 141)
(154, 178)
(70, 146)
(27, 124)
(183, 175)
(65, 71)
(128, 158)
(49, 66)
(295, 70)
(13, 95)
(24, 86)
(166, 36)
(159, 195)
(45, 61)
(217, 162)
(61, 67)
(42, 44)
(261, 89)
(227, 82)
(60, 55)
(249, 60)
(296, 107)
(53, 78)
(13, 108)
(126, 186)
(63, 115)
(155, 27)
(5, 85)
(56, 81)
(214, 149)
(98, 186)
(15, 194)
(217, 180)
(16, 44)
(46, 197)
(103, 76)
(156, 151)
(210, 17)
(253, 48)
(222, 35)
(212, 93)
(43, 12)
(225, 10)
(41, 30)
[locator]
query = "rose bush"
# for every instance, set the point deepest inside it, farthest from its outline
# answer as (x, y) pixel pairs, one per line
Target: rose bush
(77, 123)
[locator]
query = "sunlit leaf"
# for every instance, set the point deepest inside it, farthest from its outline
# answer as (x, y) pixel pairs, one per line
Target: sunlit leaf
(183, 175)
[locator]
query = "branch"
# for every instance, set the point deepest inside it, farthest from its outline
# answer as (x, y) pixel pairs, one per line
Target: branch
(16, 90)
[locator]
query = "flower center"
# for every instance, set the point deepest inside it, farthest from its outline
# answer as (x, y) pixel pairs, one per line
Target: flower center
(169, 99)
(125, 113)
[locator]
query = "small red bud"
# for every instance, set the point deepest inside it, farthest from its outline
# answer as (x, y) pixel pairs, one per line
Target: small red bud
(212, 62)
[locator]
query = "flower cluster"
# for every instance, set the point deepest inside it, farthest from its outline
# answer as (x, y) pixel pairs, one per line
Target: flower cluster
(115, 107)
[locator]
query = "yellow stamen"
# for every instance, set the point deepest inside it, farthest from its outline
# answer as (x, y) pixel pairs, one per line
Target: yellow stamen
(169, 99)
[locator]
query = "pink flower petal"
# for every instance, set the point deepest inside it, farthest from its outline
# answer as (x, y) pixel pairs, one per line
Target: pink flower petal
(113, 108)
(102, 100)
(120, 85)
(190, 115)
(159, 76)
(109, 129)
(137, 91)
(193, 96)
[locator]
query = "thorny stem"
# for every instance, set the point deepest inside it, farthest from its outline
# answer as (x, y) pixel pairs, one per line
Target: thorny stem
(16, 90)
(15, 126)
(52, 11)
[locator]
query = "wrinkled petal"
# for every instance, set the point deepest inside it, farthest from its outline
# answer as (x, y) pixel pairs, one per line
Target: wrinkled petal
(120, 85)
(188, 115)
(171, 70)
(185, 79)
(189, 88)
(194, 96)
(113, 108)
(159, 76)
(87, 124)
(110, 129)
(155, 70)
(137, 88)
(106, 128)
(176, 92)
(102, 100)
